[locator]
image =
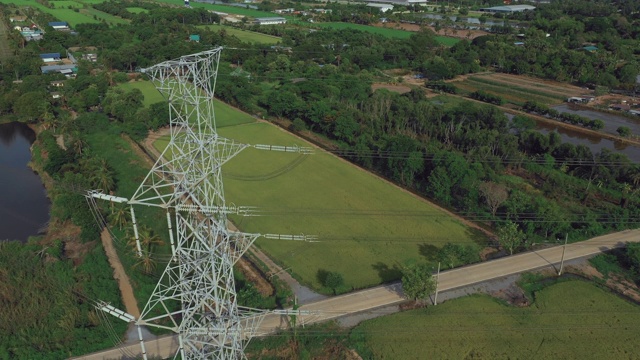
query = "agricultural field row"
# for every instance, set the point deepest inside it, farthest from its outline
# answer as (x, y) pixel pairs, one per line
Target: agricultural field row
(510, 93)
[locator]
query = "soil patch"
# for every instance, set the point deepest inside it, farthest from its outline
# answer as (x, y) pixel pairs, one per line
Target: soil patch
(400, 89)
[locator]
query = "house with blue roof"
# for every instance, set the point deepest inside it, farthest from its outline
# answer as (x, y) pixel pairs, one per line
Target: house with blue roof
(59, 25)
(50, 57)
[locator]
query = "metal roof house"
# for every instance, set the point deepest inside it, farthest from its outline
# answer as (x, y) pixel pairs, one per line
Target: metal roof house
(50, 57)
(63, 69)
(383, 7)
(270, 20)
(59, 25)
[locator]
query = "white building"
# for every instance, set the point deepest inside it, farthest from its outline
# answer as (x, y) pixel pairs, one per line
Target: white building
(270, 21)
(383, 7)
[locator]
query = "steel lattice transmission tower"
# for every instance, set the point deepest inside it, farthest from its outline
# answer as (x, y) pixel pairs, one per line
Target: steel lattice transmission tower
(195, 296)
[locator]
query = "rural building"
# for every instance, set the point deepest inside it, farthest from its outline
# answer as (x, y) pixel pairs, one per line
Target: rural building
(50, 57)
(590, 48)
(194, 37)
(508, 9)
(59, 25)
(270, 20)
(284, 11)
(67, 69)
(57, 83)
(56, 95)
(581, 99)
(383, 7)
(17, 18)
(32, 34)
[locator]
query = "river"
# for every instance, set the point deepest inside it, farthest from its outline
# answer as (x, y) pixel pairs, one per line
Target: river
(24, 206)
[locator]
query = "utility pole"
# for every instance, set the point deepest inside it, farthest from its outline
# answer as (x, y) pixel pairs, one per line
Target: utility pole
(564, 247)
(435, 299)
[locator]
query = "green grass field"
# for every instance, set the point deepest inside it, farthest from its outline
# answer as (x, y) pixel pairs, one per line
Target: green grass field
(225, 114)
(65, 4)
(367, 228)
(137, 10)
(391, 33)
(62, 12)
(223, 8)
(569, 320)
(244, 35)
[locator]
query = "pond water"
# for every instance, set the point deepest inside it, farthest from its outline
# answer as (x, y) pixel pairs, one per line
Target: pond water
(594, 143)
(611, 122)
(24, 206)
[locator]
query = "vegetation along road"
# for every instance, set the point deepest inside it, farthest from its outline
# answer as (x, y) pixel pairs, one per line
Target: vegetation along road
(392, 294)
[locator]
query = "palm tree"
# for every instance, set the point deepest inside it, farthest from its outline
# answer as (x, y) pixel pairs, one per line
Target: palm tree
(120, 216)
(146, 263)
(148, 238)
(101, 175)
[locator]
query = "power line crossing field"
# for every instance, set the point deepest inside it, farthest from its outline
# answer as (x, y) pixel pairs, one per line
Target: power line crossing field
(367, 227)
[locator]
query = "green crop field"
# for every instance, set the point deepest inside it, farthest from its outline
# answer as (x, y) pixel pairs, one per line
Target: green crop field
(100, 15)
(244, 35)
(367, 228)
(391, 33)
(569, 320)
(509, 92)
(137, 10)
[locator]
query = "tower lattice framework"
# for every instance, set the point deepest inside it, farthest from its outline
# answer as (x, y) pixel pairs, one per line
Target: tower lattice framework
(195, 297)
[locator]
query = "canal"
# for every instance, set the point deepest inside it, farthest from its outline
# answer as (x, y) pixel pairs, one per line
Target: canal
(24, 206)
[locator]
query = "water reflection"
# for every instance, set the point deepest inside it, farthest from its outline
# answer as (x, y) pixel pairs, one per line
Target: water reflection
(24, 207)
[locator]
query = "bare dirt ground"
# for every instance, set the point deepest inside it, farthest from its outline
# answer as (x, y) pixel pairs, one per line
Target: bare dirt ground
(459, 34)
(400, 89)
(617, 284)
(128, 299)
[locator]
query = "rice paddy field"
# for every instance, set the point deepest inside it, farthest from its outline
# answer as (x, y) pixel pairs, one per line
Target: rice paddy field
(366, 228)
(244, 35)
(568, 320)
(391, 33)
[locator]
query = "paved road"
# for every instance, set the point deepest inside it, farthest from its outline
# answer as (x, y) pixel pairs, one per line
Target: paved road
(392, 294)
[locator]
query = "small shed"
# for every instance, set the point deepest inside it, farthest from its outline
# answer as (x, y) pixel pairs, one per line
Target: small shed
(194, 37)
(270, 20)
(590, 48)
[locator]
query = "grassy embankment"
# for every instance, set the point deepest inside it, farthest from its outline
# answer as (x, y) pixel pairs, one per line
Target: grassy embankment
(137, 10)
(568, 320)
(367, 228)
(244, 35)
(236, 10)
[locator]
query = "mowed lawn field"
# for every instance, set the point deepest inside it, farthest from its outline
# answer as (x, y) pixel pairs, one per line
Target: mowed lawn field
(568, 320)
(244, 35)
(367, 229)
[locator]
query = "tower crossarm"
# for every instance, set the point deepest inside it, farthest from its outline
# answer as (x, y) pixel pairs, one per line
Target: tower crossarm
(236, 210)
(287, 237)
(291, 149)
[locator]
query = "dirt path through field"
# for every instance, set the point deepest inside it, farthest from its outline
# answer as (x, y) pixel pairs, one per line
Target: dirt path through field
(129, 300)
